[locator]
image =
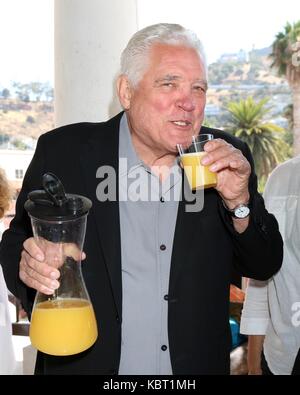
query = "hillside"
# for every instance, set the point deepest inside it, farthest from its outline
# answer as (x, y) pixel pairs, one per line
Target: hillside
(25, 119)
(234, 77)
(252, 68)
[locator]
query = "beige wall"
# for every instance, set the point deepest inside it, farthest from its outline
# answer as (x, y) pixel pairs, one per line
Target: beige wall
(89, 38)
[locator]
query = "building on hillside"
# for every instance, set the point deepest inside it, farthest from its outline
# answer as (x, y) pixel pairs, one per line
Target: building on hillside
(15, 163)
(240, 56)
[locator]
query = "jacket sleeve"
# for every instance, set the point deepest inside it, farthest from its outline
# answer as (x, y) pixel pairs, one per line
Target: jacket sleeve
(20, 229)
(259, 249)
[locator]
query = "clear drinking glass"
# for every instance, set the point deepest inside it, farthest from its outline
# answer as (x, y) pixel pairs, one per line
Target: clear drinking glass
(198, 175)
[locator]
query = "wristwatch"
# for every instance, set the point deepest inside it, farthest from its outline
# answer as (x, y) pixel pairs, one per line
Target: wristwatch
(241, 211)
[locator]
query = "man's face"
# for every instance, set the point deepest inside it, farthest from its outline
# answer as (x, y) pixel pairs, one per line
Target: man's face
(167, 106)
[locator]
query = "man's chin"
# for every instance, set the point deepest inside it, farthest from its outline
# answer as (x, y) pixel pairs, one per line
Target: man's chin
(184, 141)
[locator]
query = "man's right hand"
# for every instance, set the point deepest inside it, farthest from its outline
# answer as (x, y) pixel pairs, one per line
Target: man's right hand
(35, 270)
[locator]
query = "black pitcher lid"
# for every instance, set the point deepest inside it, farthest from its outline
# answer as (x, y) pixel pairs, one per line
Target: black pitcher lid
(53, 204)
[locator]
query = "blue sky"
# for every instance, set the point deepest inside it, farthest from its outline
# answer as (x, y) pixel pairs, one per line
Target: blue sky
(224, 25)
(26, 29)
(26, 40)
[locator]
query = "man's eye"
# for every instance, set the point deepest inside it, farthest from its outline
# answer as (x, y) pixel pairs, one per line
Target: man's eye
(169, 84)
(199, 88)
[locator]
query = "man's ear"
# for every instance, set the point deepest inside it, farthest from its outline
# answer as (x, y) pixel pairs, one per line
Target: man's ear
(124, 91)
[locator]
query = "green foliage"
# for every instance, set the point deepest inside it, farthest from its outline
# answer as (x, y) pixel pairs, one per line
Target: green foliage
(4, 138)
(265, 139)
(210, 123)
(30, 119)
(36, 91)
(218, 72)
(5, 93)
(22, 91)
(288, 114)
(287, 44)
(253, 73)
(238, 73)
(19, 144)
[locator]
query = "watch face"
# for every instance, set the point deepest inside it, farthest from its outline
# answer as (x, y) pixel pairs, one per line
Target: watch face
(242, 212)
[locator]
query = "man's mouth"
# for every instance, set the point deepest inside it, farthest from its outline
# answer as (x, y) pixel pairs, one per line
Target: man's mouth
(182, 123)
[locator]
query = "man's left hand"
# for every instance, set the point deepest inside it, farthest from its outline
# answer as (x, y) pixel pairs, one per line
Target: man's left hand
(233, 171)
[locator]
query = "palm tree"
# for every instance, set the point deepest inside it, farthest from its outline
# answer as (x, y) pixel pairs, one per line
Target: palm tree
(265, 139)
(288, 115)
(286, 60)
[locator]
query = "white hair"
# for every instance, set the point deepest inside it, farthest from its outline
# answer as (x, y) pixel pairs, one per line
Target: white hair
(135, 57)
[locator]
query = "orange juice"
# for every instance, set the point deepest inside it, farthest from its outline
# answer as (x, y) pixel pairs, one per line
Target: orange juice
(198, 176)
(63, 326)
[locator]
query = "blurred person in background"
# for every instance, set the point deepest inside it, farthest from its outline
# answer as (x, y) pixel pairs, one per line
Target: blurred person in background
(7, 357)
(271, 313)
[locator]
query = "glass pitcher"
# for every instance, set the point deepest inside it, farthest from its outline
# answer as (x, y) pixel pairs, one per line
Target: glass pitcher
(63, 323)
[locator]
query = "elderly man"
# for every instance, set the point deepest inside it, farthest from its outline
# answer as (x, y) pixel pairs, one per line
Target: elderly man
(158, 275)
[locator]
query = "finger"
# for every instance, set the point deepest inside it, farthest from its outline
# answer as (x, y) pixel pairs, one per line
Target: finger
(234, 162)
(42, 268)
(34, 280)
(221, 151)
(32, 249)
(32, 283)
(71, 250)
(83, 256)
(211, 145)
(54, 254)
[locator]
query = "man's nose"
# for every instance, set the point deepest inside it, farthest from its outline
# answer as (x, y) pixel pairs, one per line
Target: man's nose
(186, 102)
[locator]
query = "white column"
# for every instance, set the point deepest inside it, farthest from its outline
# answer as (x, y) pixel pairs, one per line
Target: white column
(89, 38)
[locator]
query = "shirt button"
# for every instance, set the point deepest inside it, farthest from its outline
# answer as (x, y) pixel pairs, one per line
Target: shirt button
(163, 247)
(166, 297)
(162, 199)
(164, 348)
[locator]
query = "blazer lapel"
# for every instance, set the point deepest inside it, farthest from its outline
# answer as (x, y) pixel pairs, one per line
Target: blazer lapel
(102, 150)
(185, 227)
(188, 224)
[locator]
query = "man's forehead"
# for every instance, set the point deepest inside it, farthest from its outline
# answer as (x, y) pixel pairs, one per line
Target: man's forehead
(164, 54)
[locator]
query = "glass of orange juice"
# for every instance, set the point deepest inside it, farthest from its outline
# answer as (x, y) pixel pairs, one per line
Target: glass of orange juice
(198, 175)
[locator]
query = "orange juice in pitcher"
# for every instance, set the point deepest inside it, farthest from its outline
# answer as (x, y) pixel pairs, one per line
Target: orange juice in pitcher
(63, 327)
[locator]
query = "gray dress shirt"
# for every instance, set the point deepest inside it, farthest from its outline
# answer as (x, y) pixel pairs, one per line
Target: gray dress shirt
(148, 212)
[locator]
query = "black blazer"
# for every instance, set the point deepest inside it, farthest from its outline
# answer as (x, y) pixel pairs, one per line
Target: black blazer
(198, 322)
(296, 367)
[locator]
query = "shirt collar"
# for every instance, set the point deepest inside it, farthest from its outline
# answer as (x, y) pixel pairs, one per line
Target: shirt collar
(126, 148)
(127, 151)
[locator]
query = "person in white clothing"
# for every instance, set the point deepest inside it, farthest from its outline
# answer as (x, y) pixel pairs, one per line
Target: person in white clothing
(7, 357)
(271, 312)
